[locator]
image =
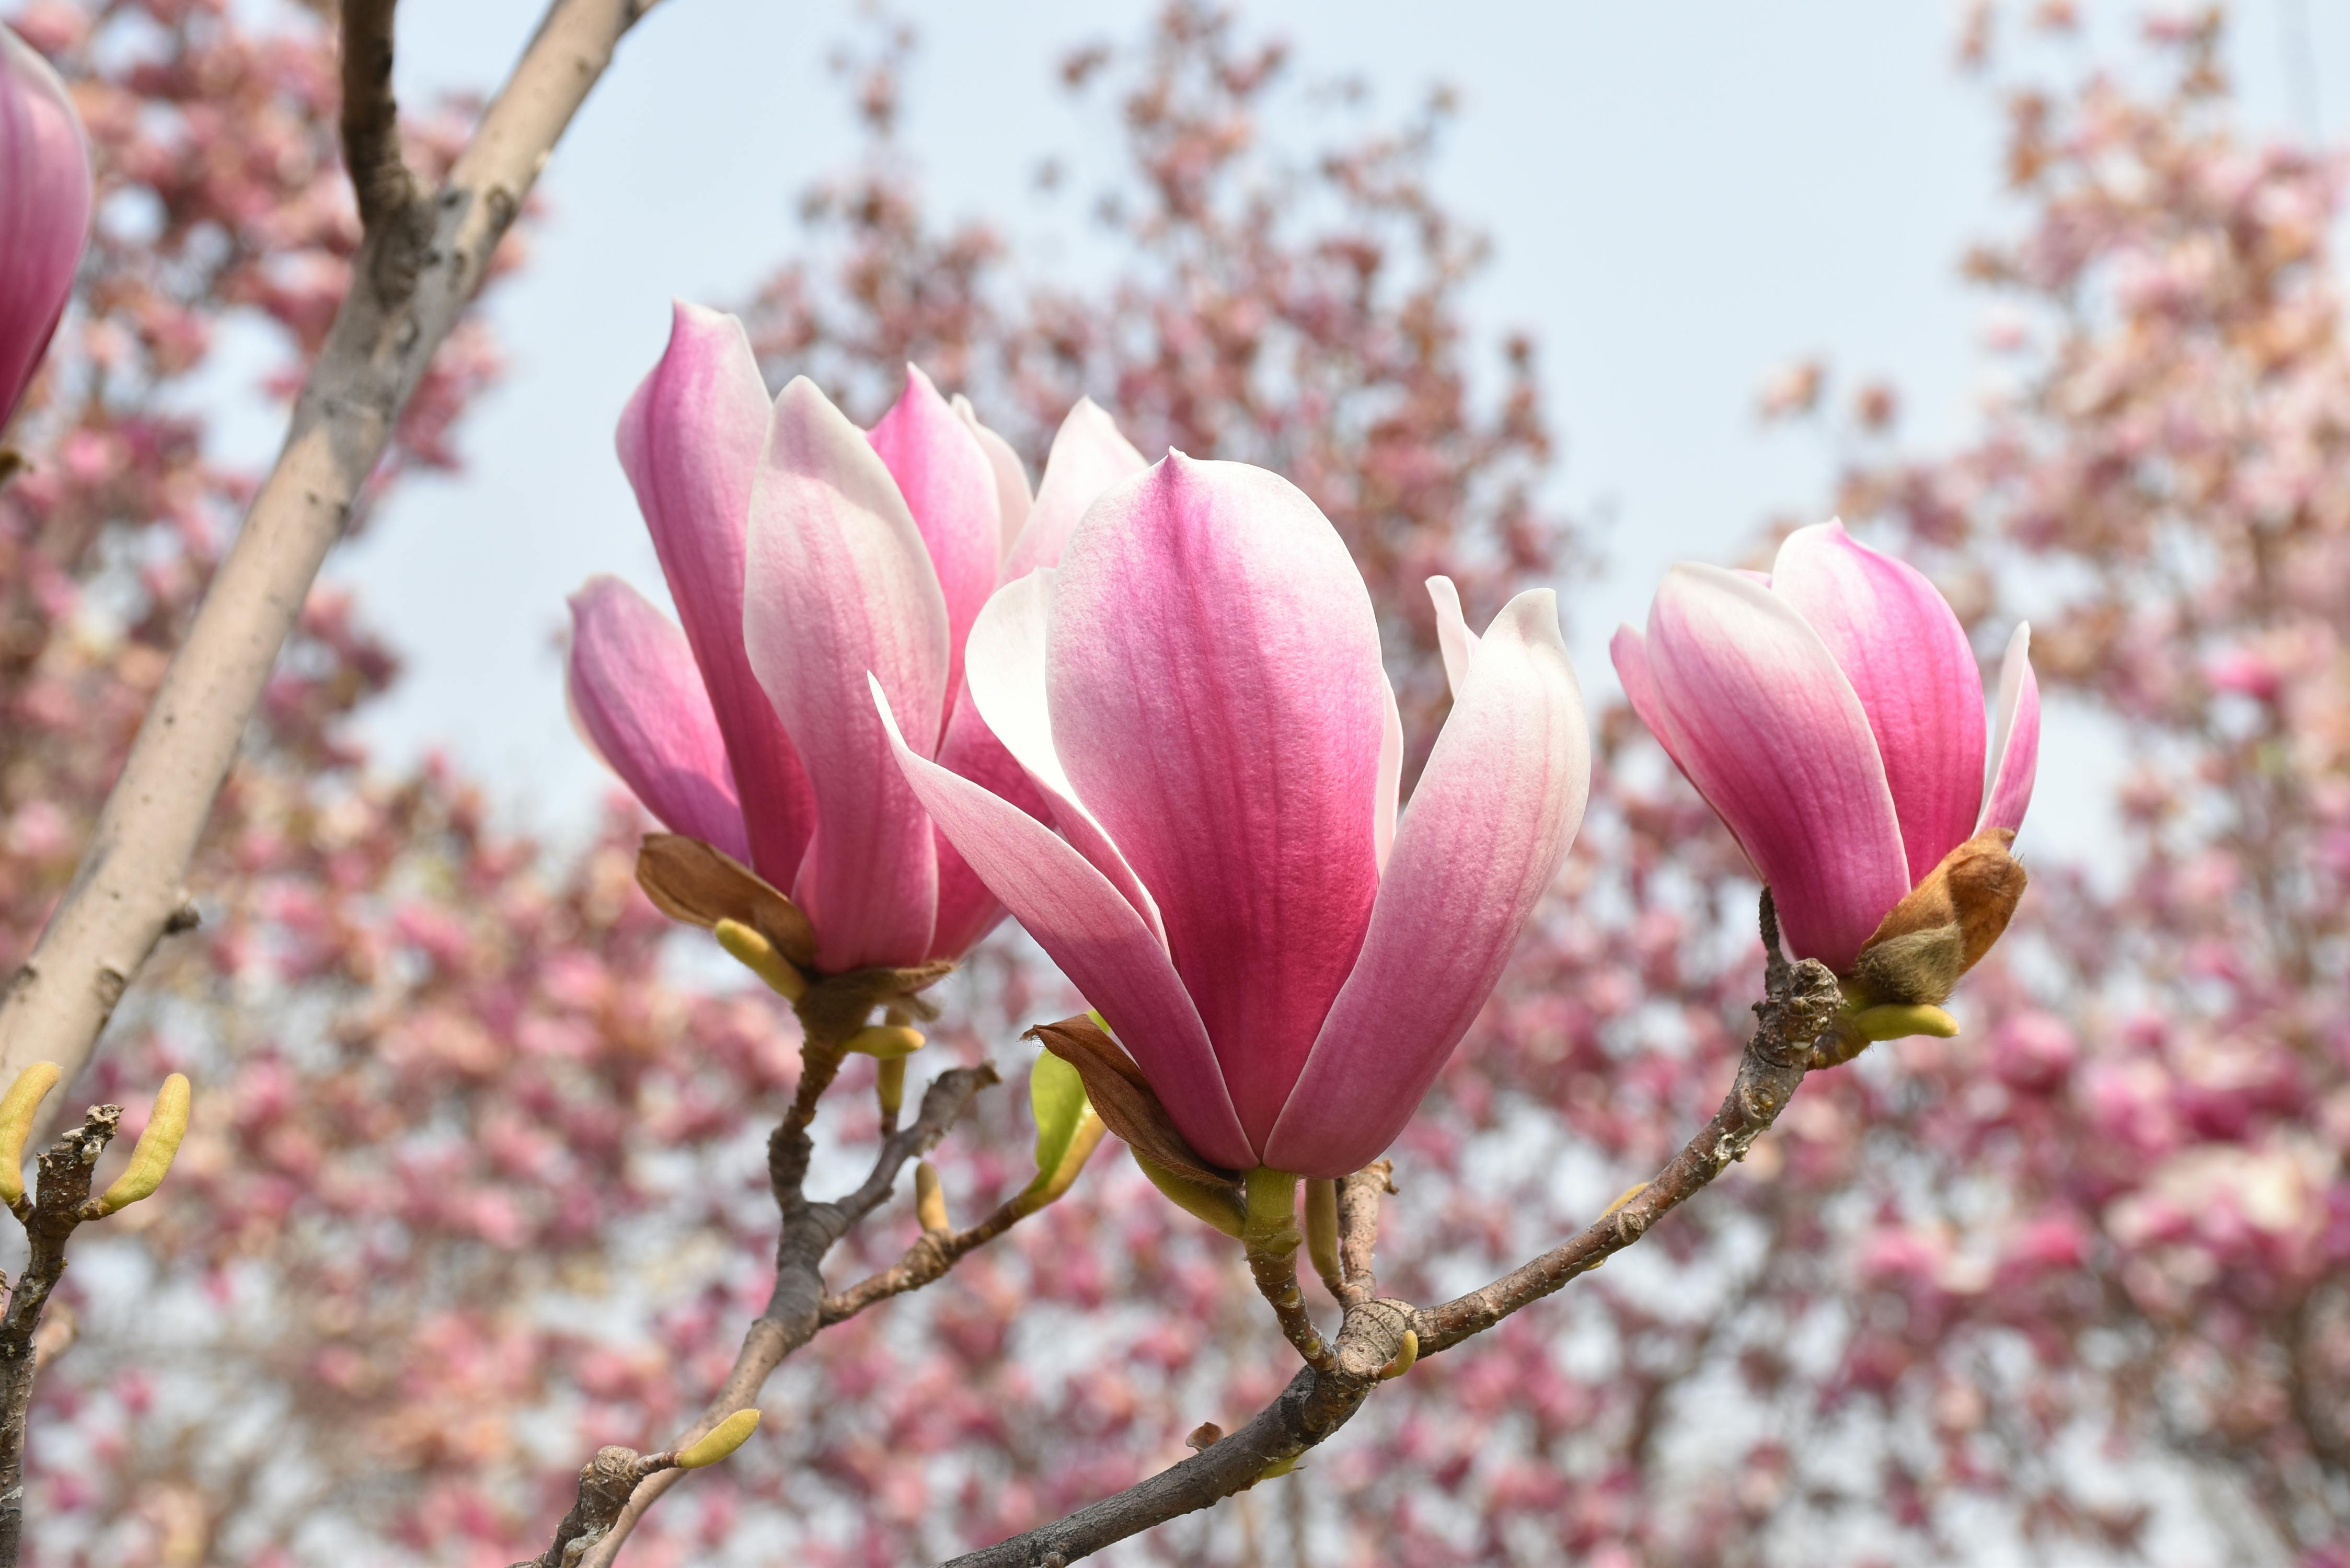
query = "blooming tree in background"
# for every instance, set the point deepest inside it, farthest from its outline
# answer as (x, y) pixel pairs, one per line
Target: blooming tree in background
(474, 1180)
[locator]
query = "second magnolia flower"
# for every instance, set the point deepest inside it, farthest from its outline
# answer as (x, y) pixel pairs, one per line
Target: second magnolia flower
(1198, 694)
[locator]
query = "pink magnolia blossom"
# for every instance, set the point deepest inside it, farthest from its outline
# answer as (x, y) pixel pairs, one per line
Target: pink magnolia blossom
(45, 197)
(1197, 692)
(1832, 714)
(802, 553)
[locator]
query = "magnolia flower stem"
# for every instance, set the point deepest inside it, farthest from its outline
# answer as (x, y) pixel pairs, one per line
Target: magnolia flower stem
(412, 282)
(1799, 1001)
(1270, 1237)
(58, 1204)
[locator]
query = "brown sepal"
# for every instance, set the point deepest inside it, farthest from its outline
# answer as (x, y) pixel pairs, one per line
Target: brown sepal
(691, 881)
(1945, 925)
(836, 1005)
(1124, 1100)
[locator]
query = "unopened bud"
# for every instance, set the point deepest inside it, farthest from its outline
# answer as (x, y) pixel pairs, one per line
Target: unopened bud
(886, 1041)
(1404, 1358)
(166, 1126)
(1896, 1021)
(721, 1441)
(1322, 1228)
(930, 1200)
(18, 1108)
(890, 1084)
(1220, 1207)
(754, 952)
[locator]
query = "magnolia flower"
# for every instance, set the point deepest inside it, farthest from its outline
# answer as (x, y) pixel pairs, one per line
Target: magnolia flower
(1196, 693)
(45, 196)
(802, 553)
(1832, 714)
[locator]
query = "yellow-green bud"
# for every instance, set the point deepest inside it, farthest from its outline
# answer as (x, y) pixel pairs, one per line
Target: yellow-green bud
(722, 1440)
(152, 1157)
(886, 1041)
(18, 1109)
(930, 1200)
(757, 954)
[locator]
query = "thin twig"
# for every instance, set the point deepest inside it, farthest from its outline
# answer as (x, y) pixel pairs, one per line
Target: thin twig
(129, 888)
(795, 1307)
(927, 1260)
(1359, 1230)
(390, 201)
(1800, 1000)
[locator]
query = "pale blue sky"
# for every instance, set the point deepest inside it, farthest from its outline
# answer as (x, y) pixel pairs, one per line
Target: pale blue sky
(1683, 196)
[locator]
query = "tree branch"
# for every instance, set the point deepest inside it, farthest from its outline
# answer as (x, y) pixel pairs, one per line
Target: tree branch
(129, 888)
(58, 1204)
(795, 1307)
(1799, 1003)
(388, 200)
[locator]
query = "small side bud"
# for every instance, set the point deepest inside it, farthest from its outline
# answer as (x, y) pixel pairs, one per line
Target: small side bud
(155, 1150)
(1896, 1020)
(1205, 1435)
(889, 1041)
(754, 952)
(890, 1084)
(1404, 1358)
(721, 1441)
(930, 1200)
(1221, 1207)
(18, 1109)
(1322, 1229)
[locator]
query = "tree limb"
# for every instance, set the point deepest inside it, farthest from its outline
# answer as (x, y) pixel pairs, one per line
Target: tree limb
(795, 1309)
(388, 200)
(129, 888)
(58, 1204)
(1800, 1001)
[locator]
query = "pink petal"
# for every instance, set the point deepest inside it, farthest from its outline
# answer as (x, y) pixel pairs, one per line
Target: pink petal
(1095, 935)
(1390, 777)
(1008, 687)
(45, 198)
(2015, 738)
(1454, 640)
(967, 911)
(1088, 456)
(639, 698)
(1217, 699)
(840, 585)
(1769, 732)
(1629, 651)
(950, 488)
(689, 440)
(1012, 498)
(1898, 641)
(1483, 838)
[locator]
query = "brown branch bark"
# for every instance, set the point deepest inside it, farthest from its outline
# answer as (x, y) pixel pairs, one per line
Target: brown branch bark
(1799, 1003)
(389, 202)
(795, 1309)
(129, 888)
(58, 1203)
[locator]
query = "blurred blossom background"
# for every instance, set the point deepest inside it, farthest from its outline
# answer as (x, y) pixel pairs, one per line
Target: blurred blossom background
(2044, 296)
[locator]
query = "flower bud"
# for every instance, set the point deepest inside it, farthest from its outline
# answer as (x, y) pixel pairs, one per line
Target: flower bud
(757, 954)
(45, 201)
(930, 1200)
(18, 1109)
(887, 1042)
(157, 1146)
(721, 1441)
